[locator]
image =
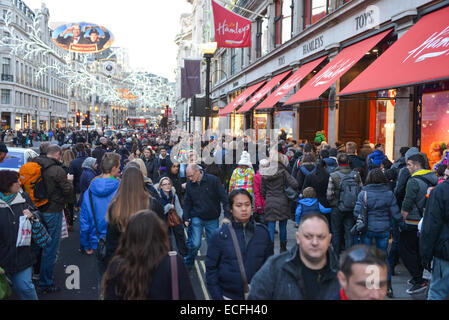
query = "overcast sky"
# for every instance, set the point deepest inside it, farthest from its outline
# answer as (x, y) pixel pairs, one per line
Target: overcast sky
(146, 27)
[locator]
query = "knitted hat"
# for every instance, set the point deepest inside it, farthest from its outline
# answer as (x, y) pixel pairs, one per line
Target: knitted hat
(245, 159)
(411, 152)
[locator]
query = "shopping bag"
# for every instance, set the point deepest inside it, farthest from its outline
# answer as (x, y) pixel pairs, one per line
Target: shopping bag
(24, 234)
(64, 230)
(39, 234)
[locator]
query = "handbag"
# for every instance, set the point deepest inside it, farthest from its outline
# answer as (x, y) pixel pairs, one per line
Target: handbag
(174, 275)
(173, 219)
(361, 225)
(238, 253)
(39, 234)
(101, 247)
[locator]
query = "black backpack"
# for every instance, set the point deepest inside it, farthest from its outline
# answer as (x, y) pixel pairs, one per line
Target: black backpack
(349, 191)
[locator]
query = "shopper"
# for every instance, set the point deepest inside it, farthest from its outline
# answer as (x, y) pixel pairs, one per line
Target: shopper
(141, 266)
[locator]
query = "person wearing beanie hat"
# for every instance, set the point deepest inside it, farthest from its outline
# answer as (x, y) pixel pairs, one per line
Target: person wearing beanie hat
(243, 175)
(3, 151)
(89, 172)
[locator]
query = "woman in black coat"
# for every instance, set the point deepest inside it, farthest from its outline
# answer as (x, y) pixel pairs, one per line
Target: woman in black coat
(141, 267)
(319, 180)
(17, 262)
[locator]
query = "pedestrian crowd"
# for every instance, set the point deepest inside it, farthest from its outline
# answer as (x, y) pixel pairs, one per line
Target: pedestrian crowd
(145, 200)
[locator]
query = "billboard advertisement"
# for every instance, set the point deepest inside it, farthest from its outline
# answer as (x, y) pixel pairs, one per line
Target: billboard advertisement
(83, 37)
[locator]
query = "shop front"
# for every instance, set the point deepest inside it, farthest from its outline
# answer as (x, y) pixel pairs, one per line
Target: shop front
(287, 121)
(5, 121)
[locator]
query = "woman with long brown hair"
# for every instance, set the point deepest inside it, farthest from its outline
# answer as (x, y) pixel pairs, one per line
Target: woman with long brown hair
(131, 197)
(141, 267)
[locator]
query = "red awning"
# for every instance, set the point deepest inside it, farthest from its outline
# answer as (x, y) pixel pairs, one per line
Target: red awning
(339, 65)
(263, 92)
(421, 55)
(288, 84)
(240, 99)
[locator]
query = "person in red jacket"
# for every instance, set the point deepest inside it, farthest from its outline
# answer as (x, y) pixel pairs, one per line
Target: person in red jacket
(259, 201)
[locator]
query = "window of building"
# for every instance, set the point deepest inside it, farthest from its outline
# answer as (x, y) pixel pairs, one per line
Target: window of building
(223, 63)
(6, 96)
(6, 67)
(264, 36)
(314, 10)
(233, 61)
(287, 20)
(6, 37)
(278, 22)
(242, 57)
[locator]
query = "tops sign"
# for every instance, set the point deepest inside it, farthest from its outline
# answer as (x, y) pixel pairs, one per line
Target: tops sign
(83, 37)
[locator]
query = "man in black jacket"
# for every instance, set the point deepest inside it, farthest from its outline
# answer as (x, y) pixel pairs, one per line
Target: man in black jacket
(204, 194)
(59, 188)
(307, 272)
(434, 241)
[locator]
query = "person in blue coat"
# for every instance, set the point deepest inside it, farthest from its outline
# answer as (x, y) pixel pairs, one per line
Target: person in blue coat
(223, 275)
(381, 206)
(374, 160)
(102, 189)
(309, 204)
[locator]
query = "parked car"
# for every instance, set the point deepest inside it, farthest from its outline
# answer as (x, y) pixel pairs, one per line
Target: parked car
(16, 158)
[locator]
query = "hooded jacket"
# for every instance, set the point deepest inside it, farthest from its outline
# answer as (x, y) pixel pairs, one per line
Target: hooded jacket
(103, 190)
(13, 259)
(87, 176)
(415, 194)
(331, 164)
(281, 278)
(309, 205)
(58, 187)
(242, 178)
(277, 205)
(375, 159)
(76, 169)
(382, 206)
(222, 270)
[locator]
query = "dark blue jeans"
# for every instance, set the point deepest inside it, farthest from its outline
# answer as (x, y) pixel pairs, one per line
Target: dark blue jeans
(341, 224)
(195, 234)
(393, 255)
(53, 223)
(380, 240)
(282, 230)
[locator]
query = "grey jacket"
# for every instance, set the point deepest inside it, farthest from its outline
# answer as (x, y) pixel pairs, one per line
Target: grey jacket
(280, 278)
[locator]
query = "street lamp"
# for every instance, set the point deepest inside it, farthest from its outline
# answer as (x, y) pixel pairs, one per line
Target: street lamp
(208, 50)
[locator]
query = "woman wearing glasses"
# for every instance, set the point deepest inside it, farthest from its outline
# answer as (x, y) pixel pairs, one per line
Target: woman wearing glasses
(169, 200)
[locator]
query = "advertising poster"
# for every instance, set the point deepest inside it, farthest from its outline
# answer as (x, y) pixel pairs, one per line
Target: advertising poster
(83, 37)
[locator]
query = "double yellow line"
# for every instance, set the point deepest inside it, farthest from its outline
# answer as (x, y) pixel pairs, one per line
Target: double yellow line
(197, 267)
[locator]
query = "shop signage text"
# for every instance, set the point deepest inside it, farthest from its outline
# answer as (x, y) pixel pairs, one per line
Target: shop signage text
(313, 45)
(436, 45)
(365, 19)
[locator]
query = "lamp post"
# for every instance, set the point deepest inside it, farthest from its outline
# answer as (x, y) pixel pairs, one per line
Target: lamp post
(208, 50)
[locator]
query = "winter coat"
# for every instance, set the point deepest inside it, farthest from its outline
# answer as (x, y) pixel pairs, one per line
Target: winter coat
(164, 202)
(331, 164)
(223, 276)
(415, 194)
(365, 151)
(434, 239)
(76, 169)
(158, 163)
(333, 187)
(318, 181)
(309, 205)
(258, 198)
(160, 286)
(86, 178)
(14, 259)
(374, 160)
(303, 171)
(280, 278)
(242, 178)
(149, 164)
(203, 199)
(103, 190)
(277, 205)
(59, 189)
(381, 205)
(98, 154)
(359, 164)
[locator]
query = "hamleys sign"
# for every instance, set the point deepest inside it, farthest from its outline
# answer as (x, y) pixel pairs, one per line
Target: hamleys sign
(434, 46)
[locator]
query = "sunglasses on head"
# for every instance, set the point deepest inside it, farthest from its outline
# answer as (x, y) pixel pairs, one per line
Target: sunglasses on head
(362, 254)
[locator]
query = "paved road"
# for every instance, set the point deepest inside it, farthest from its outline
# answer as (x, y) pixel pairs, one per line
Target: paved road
(88, 289)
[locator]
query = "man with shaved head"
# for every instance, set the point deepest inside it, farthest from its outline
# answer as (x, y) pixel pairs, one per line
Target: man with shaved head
(204, 194)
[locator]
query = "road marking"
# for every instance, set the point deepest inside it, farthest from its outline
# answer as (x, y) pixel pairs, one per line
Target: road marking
(203, 286)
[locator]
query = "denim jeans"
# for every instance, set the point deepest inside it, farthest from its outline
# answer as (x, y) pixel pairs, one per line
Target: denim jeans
(195, 233)
(341, 224)
(439, 283)
(53, 223)
(380, 241)
(23, 286)
(282, 230)
(393, 255)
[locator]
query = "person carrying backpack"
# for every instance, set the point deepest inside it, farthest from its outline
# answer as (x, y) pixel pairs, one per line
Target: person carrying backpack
(309, 204)
(307, 167)
(342, 192)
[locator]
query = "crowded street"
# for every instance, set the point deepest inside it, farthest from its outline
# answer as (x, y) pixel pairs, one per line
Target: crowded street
(286, 150)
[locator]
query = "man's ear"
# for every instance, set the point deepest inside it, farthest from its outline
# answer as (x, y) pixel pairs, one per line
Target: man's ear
(342, 279)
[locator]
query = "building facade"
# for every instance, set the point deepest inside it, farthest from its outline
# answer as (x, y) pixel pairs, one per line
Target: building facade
(27, 101)
(290, 35)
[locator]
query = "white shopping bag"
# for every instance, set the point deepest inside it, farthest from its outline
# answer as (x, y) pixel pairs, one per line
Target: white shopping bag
(64, 230)
(24, 235)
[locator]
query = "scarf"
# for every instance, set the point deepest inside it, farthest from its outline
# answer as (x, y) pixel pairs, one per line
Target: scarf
(166, 200)
(8, 199)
